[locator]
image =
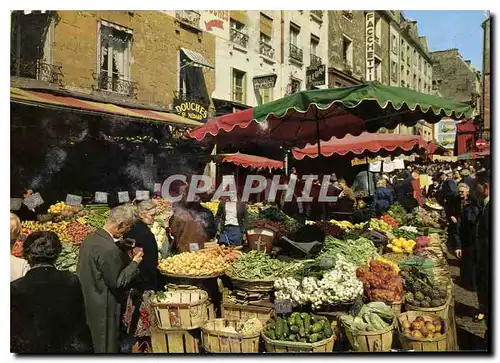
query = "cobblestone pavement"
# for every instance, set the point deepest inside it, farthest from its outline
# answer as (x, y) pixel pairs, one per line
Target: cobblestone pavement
(470, 335)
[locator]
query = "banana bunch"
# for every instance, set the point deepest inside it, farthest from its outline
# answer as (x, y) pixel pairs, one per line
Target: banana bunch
(343, 224)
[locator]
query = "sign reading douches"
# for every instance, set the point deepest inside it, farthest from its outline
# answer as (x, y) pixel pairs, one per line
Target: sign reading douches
(370, 46)
(316, 76)
(264, 82)
(191, 110)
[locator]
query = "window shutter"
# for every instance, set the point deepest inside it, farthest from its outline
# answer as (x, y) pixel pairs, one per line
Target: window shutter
(266, 25)
(239, 16)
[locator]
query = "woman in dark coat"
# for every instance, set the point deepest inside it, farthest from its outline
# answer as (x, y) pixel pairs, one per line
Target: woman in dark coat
(46, 307)
(465, 218)
(383, 198)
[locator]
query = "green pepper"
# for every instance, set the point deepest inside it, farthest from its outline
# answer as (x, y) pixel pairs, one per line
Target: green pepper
(271, 334)
(321, 336)
(291, 321)
(294, 329)
(316, 328)
(314, 338)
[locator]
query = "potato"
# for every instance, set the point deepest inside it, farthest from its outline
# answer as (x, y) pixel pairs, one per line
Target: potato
(420, 319)
(424, 331)
(417, 334)
(416, 325)
(430, 327)
(438, 328)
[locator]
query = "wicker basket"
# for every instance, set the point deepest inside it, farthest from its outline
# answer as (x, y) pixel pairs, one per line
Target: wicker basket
(441, 311)
(261, 239)
(217, 341)
(423, 345)
(396, 307)
(252, 286)
(373, 341)
(280, 346)
(186, 309)
(175, 341)
(240, 312)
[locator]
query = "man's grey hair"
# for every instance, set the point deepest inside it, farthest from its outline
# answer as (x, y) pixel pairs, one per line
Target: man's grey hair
(123, 214)
(463, 186)
(146, 206)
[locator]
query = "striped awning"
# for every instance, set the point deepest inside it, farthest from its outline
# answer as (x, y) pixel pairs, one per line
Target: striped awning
(197, 58)
(49, 100)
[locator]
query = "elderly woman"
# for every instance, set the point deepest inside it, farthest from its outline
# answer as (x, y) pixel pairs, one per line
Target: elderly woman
(465, 217)
(138, 315)
(383, 197)
(47, 309)
(18, 266)
(104, 276)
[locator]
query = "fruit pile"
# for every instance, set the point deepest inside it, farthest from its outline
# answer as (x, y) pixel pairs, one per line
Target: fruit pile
(423, 328)
(28, 227)
(401, 245)
(345, 225)
(63, 210)
(389, 220)
(78, 232)
(199, 263)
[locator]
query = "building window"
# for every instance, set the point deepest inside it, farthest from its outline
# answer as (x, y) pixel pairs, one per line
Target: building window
(190, 17)
(295, 51)
(394, 71)
(239, 86)
(378, 69)
(295, 85)
(266, 49)
(238, 33)
(266, 95)
(378, 29)
(419, 85)
(315, 59)
(414, 81)
(115, 55)
(347, 51)
(394, 44)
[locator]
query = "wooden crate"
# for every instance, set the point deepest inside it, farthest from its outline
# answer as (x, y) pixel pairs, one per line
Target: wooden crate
(279, 346)
(175, 341)
(210, 311)
(239, 312)
(373, 341)
(441, 311)
(186, 309)
(423, 345)
(396, 307)
(216, 341)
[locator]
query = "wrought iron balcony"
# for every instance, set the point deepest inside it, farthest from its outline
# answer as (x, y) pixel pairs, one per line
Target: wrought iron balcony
(315, 60)
(115, 83)
(266, 50)
(36, 70)
(296, 53)
(238, 37)
(190, 17)
(317, 13)
(190, 96)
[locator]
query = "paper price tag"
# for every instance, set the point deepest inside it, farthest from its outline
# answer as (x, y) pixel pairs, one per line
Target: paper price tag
(101, 197)
(33, 201)
(72, 199)
(157, 188)
(283, 306)
(15, 203)
(142, 194)
(194, 247)
(123, 197)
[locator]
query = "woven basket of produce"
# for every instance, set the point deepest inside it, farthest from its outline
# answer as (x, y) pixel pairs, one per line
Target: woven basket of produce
(180, 309)
(441, 311)
(371, 329)
(226, 336)
(288, 334)
(251, 285)
(422, 332)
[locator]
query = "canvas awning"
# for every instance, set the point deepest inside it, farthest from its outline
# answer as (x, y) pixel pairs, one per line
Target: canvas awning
(198, 59)
(49, 100)
(366, 143)
(251, 161)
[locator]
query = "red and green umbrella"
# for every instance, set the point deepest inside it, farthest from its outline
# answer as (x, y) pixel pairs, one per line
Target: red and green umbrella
(310, 116)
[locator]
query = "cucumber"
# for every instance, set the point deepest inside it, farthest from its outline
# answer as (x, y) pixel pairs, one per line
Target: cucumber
(294, 329)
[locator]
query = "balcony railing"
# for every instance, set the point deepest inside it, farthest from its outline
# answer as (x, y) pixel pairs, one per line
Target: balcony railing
(296, 53)
(115, 83)
(36, 70)
(266, 50)
(190, 17)
(238, 37)
(317, 13)
(190, 96)
(315, 60)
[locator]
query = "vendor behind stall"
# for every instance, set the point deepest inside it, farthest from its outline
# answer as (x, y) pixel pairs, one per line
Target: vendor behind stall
(383, 197)
(230, 218)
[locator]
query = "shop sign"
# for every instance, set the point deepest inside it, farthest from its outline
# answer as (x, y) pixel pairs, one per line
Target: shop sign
(142, 194)
(362, 161)
(370, 46)
(123, 197)
(190, 109)
(316, 76)
(265, 82)
(33, 201)
(74, 200)
(101, 197)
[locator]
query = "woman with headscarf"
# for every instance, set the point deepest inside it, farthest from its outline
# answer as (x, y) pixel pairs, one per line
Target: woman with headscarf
(465, 217)
(46, 306)
(18, 266)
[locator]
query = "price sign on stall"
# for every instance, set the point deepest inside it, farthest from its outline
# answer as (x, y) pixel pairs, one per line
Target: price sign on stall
(123, 197)
(194, 247)
(157, 188)
(72, 199)
(33, 201)
(101, 197)
(283, 306)
(142, 194)
(15, 203)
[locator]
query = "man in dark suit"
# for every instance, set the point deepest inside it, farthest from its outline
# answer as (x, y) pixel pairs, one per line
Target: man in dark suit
(47, 308)
(104, 275)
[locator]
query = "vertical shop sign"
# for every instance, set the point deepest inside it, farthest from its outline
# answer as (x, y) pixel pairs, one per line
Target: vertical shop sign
(370, 46)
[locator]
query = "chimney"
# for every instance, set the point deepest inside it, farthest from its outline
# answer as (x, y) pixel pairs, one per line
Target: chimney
(468, 62)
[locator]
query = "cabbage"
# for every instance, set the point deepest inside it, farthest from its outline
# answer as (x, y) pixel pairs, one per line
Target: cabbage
(382, 310)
